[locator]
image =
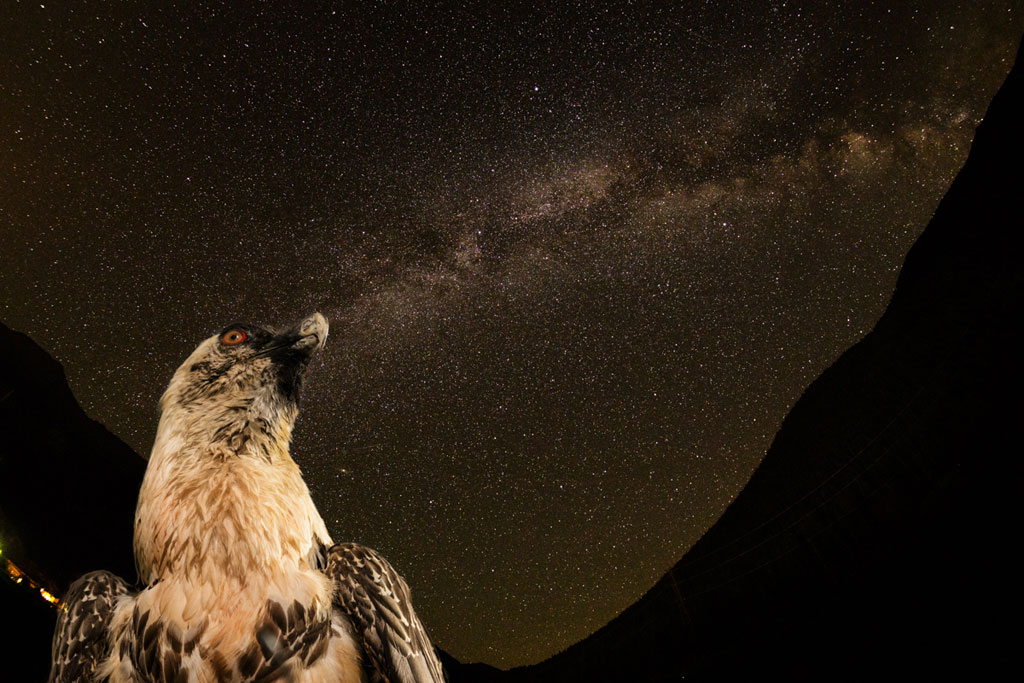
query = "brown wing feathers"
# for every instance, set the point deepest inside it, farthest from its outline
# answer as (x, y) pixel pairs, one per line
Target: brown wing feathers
(80, 641)
(378, 603)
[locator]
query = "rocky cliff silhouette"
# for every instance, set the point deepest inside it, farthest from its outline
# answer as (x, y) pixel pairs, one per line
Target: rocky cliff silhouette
(874, 541)
(67, 494)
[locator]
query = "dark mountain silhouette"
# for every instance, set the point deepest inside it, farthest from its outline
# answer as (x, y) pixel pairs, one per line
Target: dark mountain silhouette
(67, 494)
(874, 541)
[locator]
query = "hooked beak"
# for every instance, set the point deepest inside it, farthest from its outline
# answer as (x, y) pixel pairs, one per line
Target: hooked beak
(292, 350)
(310, 334)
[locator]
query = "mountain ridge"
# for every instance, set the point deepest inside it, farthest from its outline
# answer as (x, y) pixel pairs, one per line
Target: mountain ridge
(845, 524)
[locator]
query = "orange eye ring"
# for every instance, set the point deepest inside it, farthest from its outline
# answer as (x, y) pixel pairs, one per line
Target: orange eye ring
(233, 337)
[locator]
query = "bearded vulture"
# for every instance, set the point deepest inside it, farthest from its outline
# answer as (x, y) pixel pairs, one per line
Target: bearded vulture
(242, 582)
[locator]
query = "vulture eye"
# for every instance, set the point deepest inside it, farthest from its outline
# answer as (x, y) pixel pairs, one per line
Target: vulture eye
(233, 337)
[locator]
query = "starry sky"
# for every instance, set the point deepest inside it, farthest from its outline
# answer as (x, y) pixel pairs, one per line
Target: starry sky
(579, 262)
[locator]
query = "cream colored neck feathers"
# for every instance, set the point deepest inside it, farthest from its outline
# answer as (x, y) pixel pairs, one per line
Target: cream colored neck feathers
(222, 500)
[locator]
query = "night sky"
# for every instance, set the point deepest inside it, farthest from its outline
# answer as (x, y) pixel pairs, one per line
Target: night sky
(578, 263)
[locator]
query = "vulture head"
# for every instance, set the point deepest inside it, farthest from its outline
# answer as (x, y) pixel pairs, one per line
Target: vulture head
(240, 388)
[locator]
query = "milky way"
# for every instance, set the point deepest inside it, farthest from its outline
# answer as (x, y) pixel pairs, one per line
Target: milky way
(578, 264)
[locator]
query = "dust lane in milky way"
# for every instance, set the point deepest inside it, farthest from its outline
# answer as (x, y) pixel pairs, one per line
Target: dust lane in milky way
(578, 264)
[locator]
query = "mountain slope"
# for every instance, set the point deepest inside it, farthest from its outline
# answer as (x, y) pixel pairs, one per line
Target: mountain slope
(67, 495)
(874, 538)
